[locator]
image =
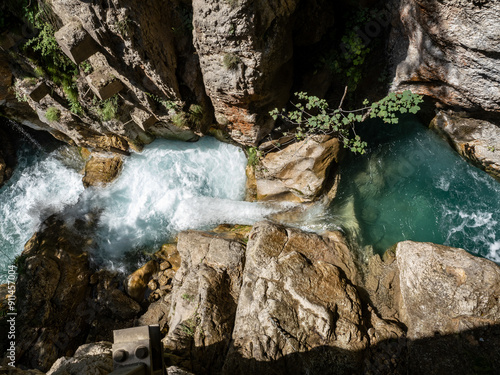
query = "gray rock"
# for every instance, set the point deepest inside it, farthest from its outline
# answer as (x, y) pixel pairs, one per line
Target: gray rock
(446, 290)
(452, 52)
(476, 140)
(204, 298)
(89, 359)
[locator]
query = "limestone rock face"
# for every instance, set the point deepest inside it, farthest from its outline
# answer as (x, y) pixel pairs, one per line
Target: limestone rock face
(204, 298)
(92, 359)
(299, 172)
(295, 297)
(446, 290)
(476, 140)
(101, 169)
(452, 52)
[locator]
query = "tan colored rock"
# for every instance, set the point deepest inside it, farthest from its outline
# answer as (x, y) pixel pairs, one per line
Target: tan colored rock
(137, 283)
(300, 172)
(102, 169)
(204, 298)
(476, 140)
(446, 290)
(296, 296)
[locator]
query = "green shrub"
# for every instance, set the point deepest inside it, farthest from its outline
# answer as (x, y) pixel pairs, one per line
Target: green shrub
(231, 61)
(109, 109)
(253, 156)
(53, 114)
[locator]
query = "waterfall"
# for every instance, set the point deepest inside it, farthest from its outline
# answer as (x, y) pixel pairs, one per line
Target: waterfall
(169, 187)
(14, 125)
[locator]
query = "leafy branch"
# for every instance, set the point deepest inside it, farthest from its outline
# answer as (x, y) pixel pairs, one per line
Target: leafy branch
(312, 115)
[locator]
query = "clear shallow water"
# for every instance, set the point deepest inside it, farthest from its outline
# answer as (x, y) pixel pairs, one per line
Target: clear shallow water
(412, 186)
(170, 186)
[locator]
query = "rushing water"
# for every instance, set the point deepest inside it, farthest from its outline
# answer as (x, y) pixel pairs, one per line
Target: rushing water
(412, 186)
(170, 186)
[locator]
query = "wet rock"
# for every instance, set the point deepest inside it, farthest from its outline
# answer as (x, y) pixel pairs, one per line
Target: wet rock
(451, 52)
(137, 283)
(300, 172)
(89, 359)
(476, 140)
(101, 169)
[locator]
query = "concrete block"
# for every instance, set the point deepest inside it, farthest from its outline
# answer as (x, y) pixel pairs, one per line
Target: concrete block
(76, 42)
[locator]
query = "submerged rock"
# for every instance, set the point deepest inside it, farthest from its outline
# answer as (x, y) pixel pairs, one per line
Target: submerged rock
(476, 140)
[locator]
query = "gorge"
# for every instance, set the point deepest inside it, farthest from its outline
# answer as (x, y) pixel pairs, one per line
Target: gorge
(144, 180)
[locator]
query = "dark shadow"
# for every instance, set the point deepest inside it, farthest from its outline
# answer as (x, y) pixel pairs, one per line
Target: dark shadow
(475, 351)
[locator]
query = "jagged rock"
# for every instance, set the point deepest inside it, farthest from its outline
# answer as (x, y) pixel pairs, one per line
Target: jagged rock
(300, 172)
(476, 140)
(53, 293)
(204, 299)
(90, 359)
(451, 52)
(296, 296)
(101, 169)
(75, 41)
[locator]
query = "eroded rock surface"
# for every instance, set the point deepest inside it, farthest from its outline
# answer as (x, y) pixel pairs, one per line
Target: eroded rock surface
(452, 52)
(101, 169)
(94, 359)
(300, 172)
(476, 140)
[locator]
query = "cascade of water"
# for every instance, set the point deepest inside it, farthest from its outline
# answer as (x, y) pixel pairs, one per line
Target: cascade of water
(14, 125)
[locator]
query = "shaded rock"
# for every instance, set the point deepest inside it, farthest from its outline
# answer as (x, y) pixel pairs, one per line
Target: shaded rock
(95, 359)
(451, 52)
(53, 286)
(7, 157)
(204, 298)
(299, 172)
(296, 296)
(450, 304)
(101, 169)
(476, 140)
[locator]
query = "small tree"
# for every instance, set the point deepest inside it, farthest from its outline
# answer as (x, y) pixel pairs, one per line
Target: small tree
(314, 116)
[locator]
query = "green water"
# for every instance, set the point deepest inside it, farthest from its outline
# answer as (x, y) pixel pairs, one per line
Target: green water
(412, 186)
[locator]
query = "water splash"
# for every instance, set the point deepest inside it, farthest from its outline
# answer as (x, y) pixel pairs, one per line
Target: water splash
(169, 187)
(14, 125)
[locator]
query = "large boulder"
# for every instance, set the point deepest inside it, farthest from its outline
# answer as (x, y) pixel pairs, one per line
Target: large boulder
(476, 140)
(204, 298)
(61, 303)
(102, 169)
(451, 51)
(297, 297)
(300, 172)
